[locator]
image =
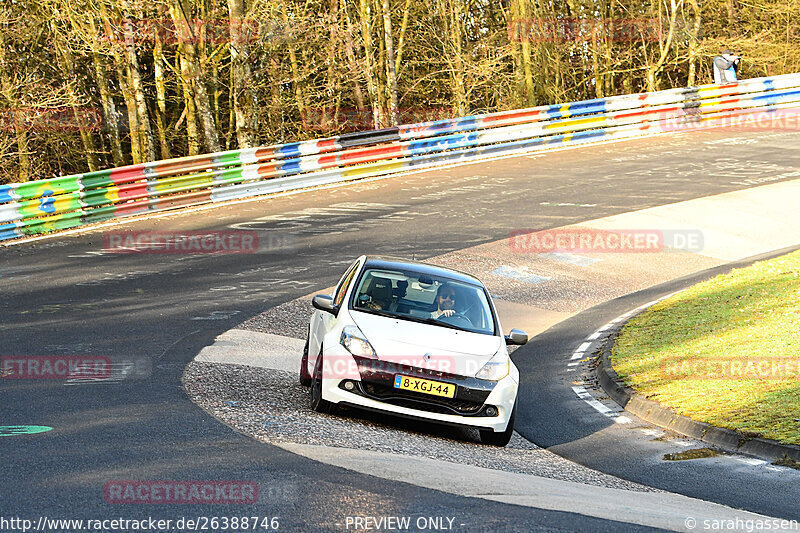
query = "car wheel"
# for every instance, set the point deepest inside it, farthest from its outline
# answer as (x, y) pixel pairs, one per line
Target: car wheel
(305, 377)
(319, 404)
(494, 438)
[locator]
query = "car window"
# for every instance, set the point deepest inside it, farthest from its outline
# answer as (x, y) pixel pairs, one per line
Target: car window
(419, 297)
(344, 284)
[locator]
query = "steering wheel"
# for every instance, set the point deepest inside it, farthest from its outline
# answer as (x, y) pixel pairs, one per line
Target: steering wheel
(457, 319)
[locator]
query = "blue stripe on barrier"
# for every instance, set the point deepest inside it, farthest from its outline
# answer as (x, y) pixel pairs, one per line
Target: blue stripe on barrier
(465, 123)
(776, 97)
(5, 193)
(290, 166)
(7, 231)
(290, 149)
(584, 107)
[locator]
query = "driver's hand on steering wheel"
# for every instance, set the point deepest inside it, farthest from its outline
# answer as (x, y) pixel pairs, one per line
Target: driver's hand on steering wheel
(447, 312)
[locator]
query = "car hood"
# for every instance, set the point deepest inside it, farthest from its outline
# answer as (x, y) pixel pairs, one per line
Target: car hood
(427, 346)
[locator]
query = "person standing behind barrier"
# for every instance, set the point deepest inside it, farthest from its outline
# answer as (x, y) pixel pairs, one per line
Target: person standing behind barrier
(726, 67)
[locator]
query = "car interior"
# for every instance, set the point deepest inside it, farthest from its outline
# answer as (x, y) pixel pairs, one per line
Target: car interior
(399, 293)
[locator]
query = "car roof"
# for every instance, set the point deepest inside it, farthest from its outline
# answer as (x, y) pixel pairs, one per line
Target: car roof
(376, 261)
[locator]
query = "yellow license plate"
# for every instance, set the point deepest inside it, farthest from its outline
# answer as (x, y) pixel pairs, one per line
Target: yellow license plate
(425, 386)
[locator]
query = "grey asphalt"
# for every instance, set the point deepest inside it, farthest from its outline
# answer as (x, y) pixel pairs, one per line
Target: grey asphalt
(64, 296)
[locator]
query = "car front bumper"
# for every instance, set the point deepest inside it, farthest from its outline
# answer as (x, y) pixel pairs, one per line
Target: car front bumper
(371, 387)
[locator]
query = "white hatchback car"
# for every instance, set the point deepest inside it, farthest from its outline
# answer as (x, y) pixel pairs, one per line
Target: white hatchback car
(413, 340)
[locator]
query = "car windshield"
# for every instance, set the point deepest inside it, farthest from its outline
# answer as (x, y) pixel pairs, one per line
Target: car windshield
(423, 298)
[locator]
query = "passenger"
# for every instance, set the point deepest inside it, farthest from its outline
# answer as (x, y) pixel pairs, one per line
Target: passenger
(445, 301)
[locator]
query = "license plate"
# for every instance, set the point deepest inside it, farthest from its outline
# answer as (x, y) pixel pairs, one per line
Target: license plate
(425, 386)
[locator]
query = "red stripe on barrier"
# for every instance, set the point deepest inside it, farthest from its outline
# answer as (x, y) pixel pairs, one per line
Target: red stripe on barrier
(648, 111)
(132, 191)
(127, 174)
(264, 153)
(523, 114)
(267, 168)
(395, 149)
(326, 145)
(184, 199)
(133, 207)
(327, 160)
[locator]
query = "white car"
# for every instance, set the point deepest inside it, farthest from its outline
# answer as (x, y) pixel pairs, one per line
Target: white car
(413, 340)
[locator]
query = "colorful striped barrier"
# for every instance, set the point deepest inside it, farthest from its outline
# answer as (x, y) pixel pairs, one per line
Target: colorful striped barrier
(49, 205)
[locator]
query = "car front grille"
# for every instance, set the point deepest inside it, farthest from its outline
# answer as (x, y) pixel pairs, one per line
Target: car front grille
(421, 402)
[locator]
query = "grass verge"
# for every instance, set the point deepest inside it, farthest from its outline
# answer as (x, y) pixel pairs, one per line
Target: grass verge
(725, 351)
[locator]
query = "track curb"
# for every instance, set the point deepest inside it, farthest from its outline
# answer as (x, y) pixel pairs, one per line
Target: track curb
(659, 415)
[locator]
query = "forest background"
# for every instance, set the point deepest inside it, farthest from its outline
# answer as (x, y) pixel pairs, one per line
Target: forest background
(91, 84)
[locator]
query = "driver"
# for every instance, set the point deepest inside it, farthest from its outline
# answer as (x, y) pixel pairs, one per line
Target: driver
(445, 301)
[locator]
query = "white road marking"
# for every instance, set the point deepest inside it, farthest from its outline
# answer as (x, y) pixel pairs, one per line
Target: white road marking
(752, 461)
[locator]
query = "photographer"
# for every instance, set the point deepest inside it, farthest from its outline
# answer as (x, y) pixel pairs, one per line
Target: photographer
(726, 67)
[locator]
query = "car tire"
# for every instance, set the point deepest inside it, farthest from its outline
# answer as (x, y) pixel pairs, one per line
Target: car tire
(305, 377)
(501, 439)
(319, 404)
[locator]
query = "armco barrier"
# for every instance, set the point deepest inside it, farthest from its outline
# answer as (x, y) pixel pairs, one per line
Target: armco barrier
(48, 205)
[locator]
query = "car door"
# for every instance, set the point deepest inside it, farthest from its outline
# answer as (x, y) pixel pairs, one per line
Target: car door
(324, 322)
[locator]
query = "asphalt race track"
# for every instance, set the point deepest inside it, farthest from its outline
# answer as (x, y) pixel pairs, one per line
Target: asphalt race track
(152, 313)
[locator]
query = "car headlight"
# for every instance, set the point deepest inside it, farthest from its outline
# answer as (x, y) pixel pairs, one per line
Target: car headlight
(496, 369)
(355, 342)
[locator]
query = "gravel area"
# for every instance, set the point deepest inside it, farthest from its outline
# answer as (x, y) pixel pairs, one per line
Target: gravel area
(289, 319)
(271, 406)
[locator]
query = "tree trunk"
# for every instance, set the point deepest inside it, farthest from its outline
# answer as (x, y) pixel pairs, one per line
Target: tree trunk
(123, 79)
(525, 45)
(332, 80)
(401, 40)
(67, 64)
(111, 121)
(244, 97)
(365, 14)
(190, 110)
(161, 97)
(391, 75)
(20, 135)
(694, 42)
(358, 94)
(452, 16)
(300, 100)
(145, 132)
(180, 10)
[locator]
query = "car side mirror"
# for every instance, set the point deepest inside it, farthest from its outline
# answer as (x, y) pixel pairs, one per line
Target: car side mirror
(516, 337)
(324, 302)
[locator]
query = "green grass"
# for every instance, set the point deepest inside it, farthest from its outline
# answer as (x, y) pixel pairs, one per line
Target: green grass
(673, 352)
